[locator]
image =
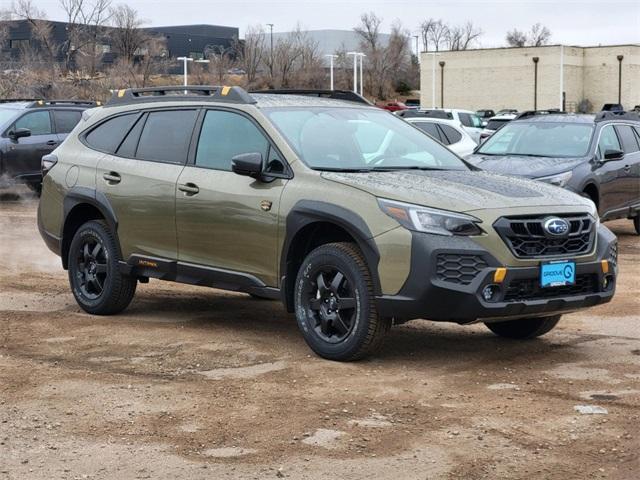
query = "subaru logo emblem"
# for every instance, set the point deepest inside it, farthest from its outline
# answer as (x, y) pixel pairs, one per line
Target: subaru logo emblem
(556, 226)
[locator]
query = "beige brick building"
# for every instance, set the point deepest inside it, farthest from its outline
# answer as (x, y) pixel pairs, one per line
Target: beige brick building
(499, 78)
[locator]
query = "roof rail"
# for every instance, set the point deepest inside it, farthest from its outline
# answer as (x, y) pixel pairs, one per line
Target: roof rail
(612, 115)
(346, 95)
(90, 103)
(425, 114)
(16, 100)
(177, 92)
(533, 113)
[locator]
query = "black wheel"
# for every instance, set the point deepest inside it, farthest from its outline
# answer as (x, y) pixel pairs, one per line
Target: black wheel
(524, 328)
(335, 306)
(636, 223)
(96, 282)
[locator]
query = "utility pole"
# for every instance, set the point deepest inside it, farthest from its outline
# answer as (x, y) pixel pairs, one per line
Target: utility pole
(561, 78)
(535, 82)
(442, 63)
(417, 37)
(270, 25)
(331, 57)
(355, 70)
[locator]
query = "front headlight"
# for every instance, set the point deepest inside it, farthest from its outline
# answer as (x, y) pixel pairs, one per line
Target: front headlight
(430, 220)
(561, 179)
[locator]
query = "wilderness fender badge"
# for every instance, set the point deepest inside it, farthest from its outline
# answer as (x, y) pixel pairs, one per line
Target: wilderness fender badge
(265, 205)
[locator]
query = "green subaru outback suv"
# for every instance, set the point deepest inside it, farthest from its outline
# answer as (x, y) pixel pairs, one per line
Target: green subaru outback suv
(352, 217)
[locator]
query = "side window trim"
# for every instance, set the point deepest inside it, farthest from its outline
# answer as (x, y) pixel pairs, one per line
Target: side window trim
(142, 117)
(193, 148)
(443, 135)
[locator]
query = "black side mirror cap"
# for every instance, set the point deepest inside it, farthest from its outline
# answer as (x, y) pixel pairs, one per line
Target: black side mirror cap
(19, 133)
(613, 155)
(248, 164)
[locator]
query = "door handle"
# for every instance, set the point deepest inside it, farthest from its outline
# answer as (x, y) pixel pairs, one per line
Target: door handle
(112, 178)
(188, 188)
(51, 143)
(627, 168)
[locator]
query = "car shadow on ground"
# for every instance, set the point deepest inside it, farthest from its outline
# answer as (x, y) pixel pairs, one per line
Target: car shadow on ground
(251, 320)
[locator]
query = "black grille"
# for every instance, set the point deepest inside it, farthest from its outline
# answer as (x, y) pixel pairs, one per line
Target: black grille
(529, 289)
(613, 253)
(461, 269)
(527, 239)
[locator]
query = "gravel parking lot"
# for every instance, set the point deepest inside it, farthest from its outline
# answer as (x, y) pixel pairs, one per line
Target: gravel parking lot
(194, 383)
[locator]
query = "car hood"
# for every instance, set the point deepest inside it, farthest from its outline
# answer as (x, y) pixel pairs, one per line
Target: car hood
(460, 191)
(530, 167)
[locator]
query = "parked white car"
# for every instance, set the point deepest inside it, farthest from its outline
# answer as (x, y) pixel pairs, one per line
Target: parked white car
(471, 121)
(495, 123)
(448, 132)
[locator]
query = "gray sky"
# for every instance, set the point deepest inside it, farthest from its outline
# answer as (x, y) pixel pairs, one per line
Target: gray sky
(586, 22)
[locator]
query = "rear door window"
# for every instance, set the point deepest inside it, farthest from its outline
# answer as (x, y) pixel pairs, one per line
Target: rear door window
(38, 122)
(166, 136)
(629, 140)
(453, 136)
(107, 136)
(66, 120)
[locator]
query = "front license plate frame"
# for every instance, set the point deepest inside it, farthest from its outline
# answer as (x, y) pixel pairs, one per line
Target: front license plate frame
(557, 274)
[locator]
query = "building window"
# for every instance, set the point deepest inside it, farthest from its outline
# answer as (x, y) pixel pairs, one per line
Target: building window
(19, 43)
(196, 55)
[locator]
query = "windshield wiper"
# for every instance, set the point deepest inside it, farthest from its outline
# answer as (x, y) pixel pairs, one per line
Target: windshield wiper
(342, 170)
(408, 167)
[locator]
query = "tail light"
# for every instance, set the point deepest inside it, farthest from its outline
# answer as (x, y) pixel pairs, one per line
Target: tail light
(48, 161)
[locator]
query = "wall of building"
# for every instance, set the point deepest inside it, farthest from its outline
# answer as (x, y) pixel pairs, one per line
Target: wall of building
(504, 77)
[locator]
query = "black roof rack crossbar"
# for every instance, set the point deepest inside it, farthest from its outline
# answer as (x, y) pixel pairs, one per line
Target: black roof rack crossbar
(177, 92)
(612, 115)
(533, 113)
(346, 95)
(70, 102)
(425, 114)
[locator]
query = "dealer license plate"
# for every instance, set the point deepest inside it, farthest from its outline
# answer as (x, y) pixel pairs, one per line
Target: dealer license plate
(557, 274)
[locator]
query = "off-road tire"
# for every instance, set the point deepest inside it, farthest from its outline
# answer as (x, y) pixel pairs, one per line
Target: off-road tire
(367, 329)
(525, 328)
(117, 289)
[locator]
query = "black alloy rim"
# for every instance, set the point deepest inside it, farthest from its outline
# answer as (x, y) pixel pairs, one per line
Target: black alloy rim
(331, 304)
(92, 268)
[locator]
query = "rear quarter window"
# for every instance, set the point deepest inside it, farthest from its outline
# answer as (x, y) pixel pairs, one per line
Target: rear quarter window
(107, 136)
(453, 136)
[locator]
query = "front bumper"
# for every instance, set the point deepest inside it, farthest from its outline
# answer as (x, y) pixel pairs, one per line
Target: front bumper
(426, 294)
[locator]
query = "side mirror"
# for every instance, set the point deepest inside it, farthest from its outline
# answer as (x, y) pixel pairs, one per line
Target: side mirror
(247, 164)
(19, 133)
(613, 155)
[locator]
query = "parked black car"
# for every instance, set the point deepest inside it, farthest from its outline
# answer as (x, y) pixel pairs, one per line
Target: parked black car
(597, 157)
(485, 114)
(30, 129)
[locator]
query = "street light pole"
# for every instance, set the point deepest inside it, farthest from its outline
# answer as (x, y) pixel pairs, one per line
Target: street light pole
(417, 37)
(433, 79)
(270, 25)
(184, 71)
(331, 57)
(361, 55)
(442, 63)
(535, 82)
(355, 70)
(620, 58)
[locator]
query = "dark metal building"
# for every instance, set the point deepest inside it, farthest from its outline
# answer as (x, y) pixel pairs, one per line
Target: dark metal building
(194, 41)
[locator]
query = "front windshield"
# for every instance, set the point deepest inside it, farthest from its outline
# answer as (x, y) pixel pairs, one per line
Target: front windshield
(539, 139)
(359, 139)
(6, 115)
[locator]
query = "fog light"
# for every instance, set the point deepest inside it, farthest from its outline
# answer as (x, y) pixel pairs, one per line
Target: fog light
(490, 292)
(607, 281)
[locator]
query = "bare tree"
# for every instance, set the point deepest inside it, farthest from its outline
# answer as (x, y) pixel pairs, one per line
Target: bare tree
(221, 60)
(516, 38)
(439, 34)
(127, 37)
(42, 49)
(462, 37)
(539, 35)
(251, 53)
(426, 28)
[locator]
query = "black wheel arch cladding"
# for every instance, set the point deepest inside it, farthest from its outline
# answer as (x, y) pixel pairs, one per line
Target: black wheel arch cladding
(308, 212)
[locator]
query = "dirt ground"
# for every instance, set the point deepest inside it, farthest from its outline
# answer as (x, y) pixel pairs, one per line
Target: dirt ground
(193, 383)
